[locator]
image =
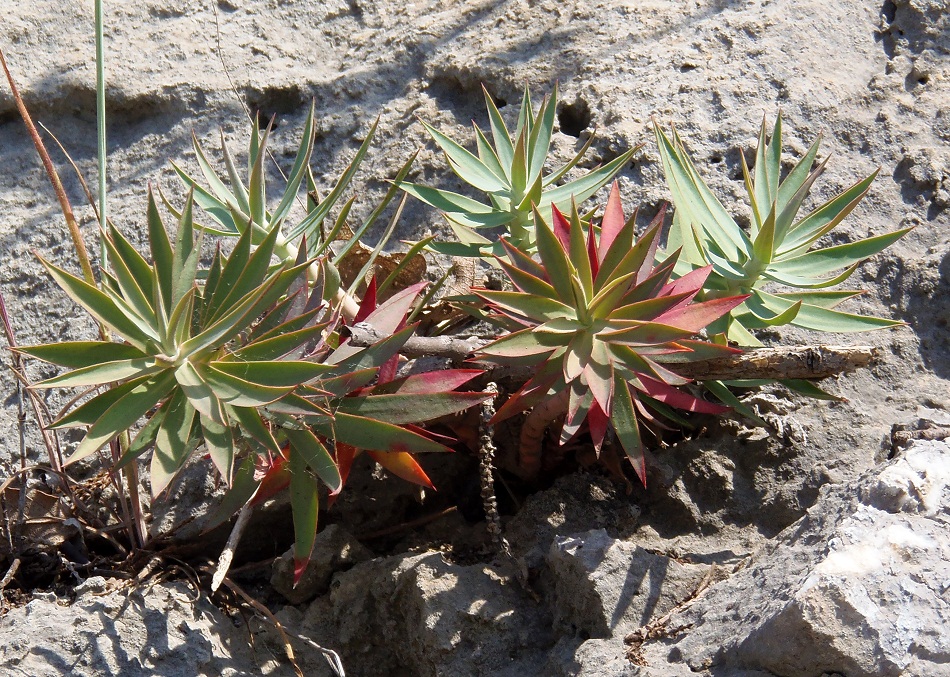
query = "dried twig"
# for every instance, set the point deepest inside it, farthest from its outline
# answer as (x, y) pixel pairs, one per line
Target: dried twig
(67, 209)
(284, 637)
(458, 349)
(804, 362)
(22, 383)
(486, 467)
(227, 555)
(11, 572)
(797, 362)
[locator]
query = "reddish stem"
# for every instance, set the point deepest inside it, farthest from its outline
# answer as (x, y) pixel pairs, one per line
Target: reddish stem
(532, 432)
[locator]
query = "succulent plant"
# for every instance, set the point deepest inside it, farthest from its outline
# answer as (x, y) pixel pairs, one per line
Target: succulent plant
(250, 363)
(234, 206)
(175, 365)
(511, 174)
(605, 326)
(781, 247)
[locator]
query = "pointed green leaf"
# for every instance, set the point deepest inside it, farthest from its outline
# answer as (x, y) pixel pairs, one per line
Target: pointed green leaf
(173, 442)
(124, 413)
(582, 188)
(825, 217)
(499, 131)
(468, 167)
(78, 354)
(624, 420)
(305, 504)
(311, 224)
(99, 305)
(305, 443)
(220, 443)
(823, 261)
(366, 433)
(295, 178)
(239, 392)
(161, 248)
(105, 372)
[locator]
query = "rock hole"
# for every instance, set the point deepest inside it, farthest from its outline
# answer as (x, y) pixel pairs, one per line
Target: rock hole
(274, 101)
(715, 160)
(500, 102)
(574, 118)
(889, 11)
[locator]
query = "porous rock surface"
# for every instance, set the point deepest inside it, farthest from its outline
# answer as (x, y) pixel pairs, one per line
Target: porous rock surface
(857, 586)
(825, 561)
(162, 630)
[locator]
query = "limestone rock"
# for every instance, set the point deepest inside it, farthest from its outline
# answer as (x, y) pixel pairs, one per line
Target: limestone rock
(334, 550)
(605, 587)
(857, 586)
(160, 630)
(423, 616)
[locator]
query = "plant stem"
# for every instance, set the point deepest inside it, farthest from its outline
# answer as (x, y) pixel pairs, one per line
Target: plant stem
(796, 362)
(101, 125)
(532, 432)
(81, 253)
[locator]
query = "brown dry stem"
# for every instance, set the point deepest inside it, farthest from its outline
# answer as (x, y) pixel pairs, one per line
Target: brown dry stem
(795, 362)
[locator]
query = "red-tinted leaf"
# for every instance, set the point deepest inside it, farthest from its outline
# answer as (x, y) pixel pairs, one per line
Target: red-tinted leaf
(698, 316)
(695, 351)
(649, 309)
(345, 455)
(368, 304)
(523, 262)
(403, 465)
(426, 383)
(531, 393)
(392, 313)
(526, 282)
(276, 478)
(562, 229)
(650, 287)
(597, 422)
(612, 223)
(579, 403)
(653, 237)
(624, 420)
(592, 255)
(388, 371)
(425, 432)
(690, 283)
(677, 398)
(521, 344)
(644, 333)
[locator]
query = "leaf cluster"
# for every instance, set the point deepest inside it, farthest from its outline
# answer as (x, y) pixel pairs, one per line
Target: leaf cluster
(602, 319)
(249, 358)
(782, 248)
(510, 172)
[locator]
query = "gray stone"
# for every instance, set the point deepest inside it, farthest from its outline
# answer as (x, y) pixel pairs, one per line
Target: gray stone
(420, 615)
(159, 630)
(334, 550)
(858, 586)
(605, 587)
